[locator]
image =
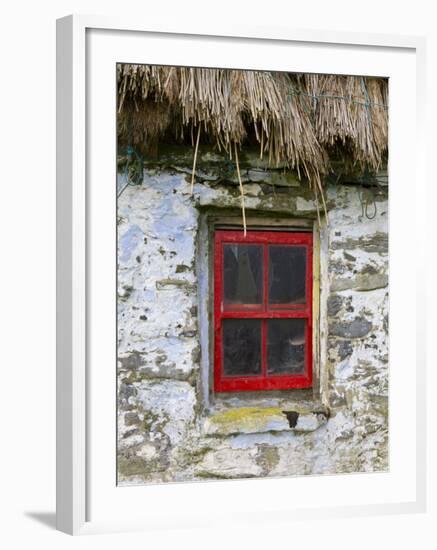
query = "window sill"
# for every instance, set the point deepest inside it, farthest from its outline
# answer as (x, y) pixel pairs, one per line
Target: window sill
(247, 420)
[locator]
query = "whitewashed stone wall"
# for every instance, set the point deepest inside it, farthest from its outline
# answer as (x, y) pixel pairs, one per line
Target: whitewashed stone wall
(168, 429)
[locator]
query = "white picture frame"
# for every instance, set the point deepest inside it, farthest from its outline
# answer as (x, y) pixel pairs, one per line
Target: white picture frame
(77, 309)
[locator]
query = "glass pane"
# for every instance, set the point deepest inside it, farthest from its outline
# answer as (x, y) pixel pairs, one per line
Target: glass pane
(287, 274)
(242, 274)
(241, 347)
(286, 346)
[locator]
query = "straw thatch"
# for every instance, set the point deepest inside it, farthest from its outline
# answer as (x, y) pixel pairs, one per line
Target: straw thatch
(302, 120)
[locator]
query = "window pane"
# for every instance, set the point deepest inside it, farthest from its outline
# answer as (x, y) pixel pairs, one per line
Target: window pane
(241, 347)
(287, 274)
(242, 274)
(286, 346)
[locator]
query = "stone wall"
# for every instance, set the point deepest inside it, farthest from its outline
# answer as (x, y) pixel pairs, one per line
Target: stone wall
(170, 426)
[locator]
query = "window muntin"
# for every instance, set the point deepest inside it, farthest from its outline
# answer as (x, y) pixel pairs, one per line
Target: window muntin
(262, 310)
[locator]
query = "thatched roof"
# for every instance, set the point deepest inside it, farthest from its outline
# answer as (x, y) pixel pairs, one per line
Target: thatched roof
(302, 119)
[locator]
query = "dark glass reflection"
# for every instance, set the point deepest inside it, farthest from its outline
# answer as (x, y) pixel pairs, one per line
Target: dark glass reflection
(287, 274)
(286, 346)
(242, 274)
(241, 347)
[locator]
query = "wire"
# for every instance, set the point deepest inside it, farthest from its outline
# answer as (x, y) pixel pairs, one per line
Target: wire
(315, 97)
(367, 198)
(133, 169)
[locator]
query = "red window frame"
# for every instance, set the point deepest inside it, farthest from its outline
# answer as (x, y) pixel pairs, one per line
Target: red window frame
(264, 312)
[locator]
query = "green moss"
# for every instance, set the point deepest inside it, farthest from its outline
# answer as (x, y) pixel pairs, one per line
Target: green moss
(215, 475)
(194, 456)
(285, 178)
(267, 458)
(131, 378)
(153, 422)
(133, 466)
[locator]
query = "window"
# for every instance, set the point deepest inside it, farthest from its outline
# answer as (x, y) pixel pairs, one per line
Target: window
(262, 310)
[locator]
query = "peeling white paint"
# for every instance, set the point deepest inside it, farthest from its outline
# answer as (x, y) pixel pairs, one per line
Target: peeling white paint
(160, 371)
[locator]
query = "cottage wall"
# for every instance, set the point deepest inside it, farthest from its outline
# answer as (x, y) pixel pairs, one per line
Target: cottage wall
(171, 427)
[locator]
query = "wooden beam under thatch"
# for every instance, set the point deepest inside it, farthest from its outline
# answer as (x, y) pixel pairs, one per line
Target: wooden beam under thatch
(303, 120)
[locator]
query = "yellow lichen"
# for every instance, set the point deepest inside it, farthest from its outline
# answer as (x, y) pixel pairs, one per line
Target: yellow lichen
(247, 419)
(242, 413)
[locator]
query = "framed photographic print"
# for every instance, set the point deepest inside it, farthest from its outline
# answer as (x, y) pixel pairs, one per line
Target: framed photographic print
(240, 330)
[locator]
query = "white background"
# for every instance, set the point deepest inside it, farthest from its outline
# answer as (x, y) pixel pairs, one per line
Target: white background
(27, 106)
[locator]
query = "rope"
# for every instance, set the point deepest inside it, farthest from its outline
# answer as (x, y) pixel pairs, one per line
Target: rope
(243, 211)
(195, 160)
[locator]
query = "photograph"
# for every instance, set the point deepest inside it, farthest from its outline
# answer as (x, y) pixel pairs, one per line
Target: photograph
(252, 274)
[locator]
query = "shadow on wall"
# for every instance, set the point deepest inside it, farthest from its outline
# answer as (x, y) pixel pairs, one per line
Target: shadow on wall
(45, 518)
